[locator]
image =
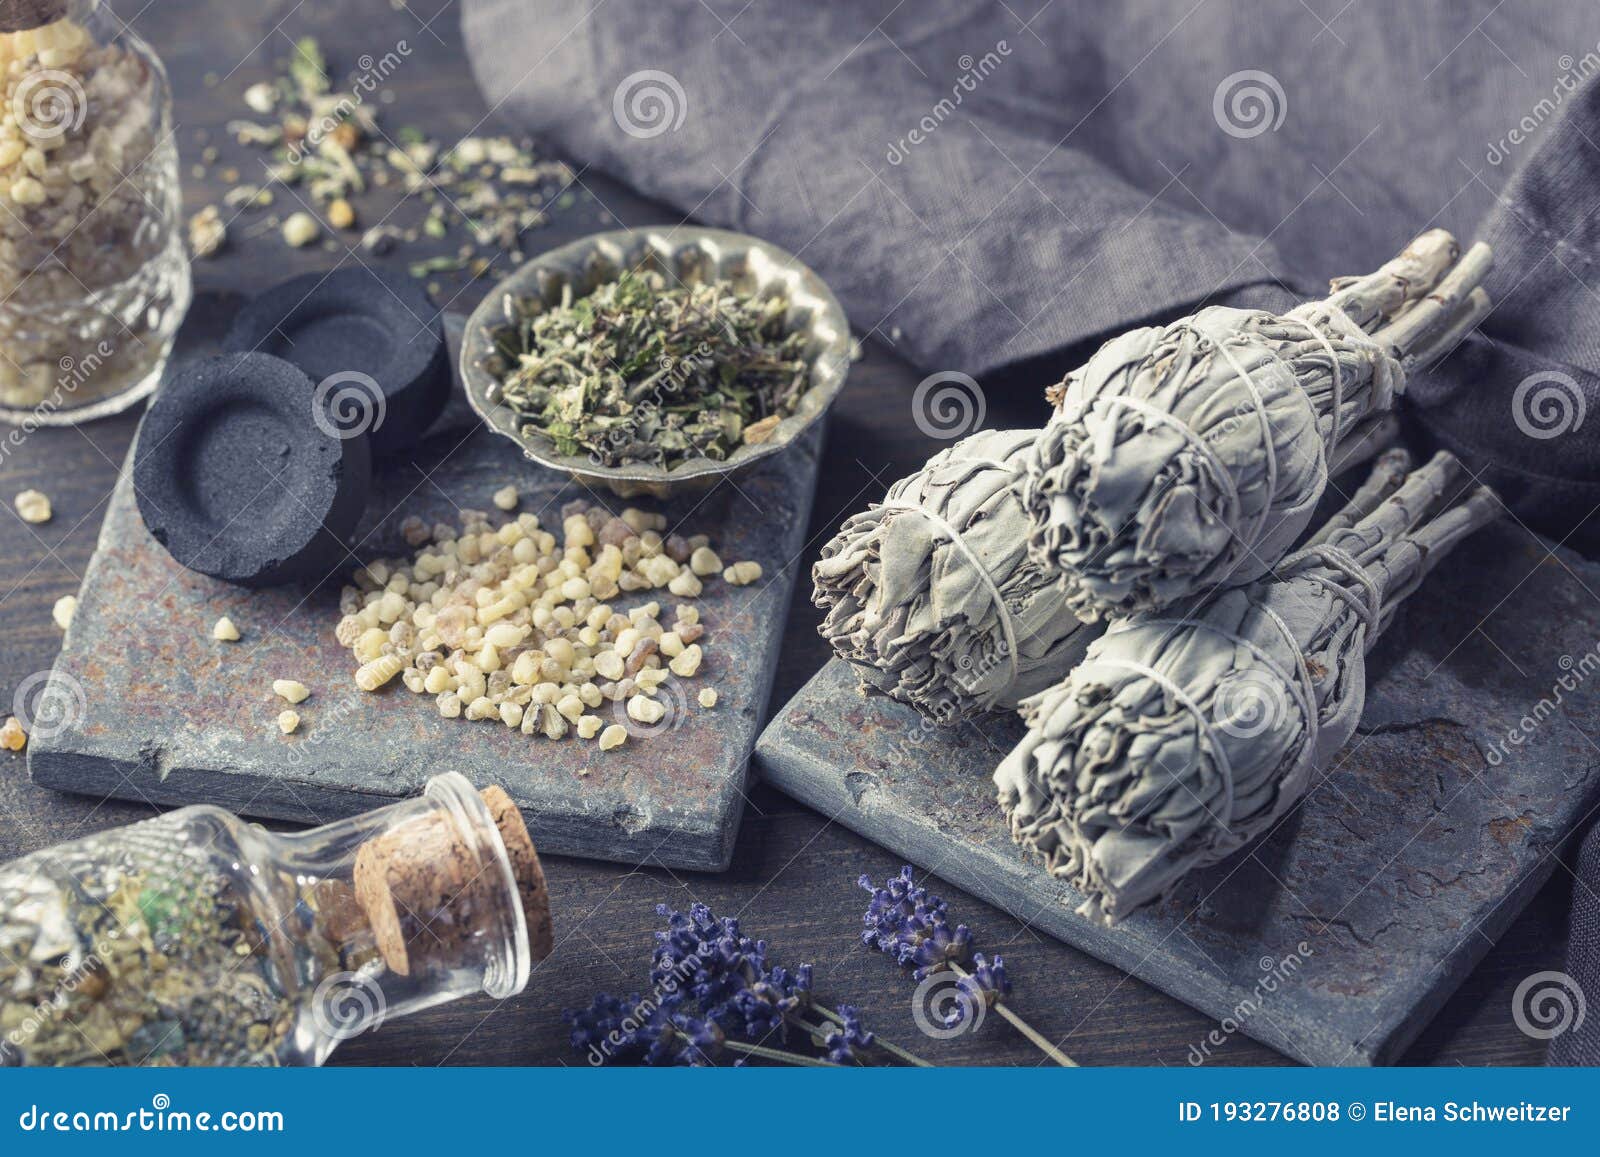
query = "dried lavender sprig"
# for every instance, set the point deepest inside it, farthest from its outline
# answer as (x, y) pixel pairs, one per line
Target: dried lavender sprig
(987, 983)
(1178, 741)
(887, 1046)
(779, 1055)
(1186, 456)
(730, 976)
(906, 921)
(849, 1034)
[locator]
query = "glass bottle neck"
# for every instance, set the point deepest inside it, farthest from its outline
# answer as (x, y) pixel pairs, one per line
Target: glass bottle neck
(416, 903)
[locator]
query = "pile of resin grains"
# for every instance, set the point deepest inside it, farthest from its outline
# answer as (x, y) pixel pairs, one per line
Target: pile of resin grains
(509, 624)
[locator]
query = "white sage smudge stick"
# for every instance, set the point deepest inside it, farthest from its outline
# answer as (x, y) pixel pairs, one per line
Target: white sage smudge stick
(931, 594)
(1184, 456)
(1179, 739)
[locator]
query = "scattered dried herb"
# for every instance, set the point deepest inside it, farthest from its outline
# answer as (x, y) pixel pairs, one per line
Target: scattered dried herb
(329, 144)
(643, 371)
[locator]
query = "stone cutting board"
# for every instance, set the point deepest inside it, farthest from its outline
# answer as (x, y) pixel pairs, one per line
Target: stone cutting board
(1339, 935)
(169, 716)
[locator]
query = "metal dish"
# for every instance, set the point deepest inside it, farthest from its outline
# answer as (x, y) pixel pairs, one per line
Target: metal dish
(691, 254)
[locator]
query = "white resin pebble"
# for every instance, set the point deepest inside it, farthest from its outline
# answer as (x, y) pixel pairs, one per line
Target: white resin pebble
(290, 689)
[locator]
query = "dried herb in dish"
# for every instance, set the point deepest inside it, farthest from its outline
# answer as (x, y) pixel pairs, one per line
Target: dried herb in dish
(643, 371)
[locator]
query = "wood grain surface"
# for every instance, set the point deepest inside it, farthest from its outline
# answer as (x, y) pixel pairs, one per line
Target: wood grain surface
(794, 871)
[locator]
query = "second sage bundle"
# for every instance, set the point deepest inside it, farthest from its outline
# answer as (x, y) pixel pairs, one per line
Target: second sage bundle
(1181, 738)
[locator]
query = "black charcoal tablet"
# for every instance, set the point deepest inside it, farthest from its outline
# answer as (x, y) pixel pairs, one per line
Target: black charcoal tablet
(241, 472)
(357, 326)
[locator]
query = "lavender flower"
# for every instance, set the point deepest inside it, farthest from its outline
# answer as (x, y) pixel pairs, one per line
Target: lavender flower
(842, 1041)
(594, 1026)
(911, 924)
(656, 1032)
(727, 973)
(707, 964)
(761, 1008)
(983, 987)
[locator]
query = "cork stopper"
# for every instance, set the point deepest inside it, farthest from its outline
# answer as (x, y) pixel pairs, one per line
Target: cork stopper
(21, 15)
(425, 892)
(526, 868)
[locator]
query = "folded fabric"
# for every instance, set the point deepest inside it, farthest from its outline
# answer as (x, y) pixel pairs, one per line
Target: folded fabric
(1555, 1005)
(983, 183)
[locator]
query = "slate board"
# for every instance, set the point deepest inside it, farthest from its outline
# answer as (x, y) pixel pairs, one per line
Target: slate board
(1401, 867)
(170, 716)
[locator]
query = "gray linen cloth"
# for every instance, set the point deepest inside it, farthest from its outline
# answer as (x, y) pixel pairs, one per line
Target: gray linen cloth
(989, 182)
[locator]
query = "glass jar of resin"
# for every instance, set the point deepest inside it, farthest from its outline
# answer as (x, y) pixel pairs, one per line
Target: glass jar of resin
(94, 279)
(197, 939)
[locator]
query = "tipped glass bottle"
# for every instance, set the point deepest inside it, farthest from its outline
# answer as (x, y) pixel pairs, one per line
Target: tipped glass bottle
(94, 279)
(198, 939)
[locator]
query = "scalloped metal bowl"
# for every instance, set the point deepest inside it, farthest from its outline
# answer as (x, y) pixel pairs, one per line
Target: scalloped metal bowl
(691, 254)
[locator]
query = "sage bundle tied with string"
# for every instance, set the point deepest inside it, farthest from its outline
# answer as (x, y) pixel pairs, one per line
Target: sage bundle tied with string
(1184, 456)
(1181, 738)
(932, 595)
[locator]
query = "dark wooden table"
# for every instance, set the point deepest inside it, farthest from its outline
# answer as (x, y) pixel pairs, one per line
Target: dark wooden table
(793, 875)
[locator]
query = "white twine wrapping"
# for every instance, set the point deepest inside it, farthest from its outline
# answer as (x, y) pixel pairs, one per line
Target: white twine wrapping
(1007, 624)
(1388, 380)
(1299, 684)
